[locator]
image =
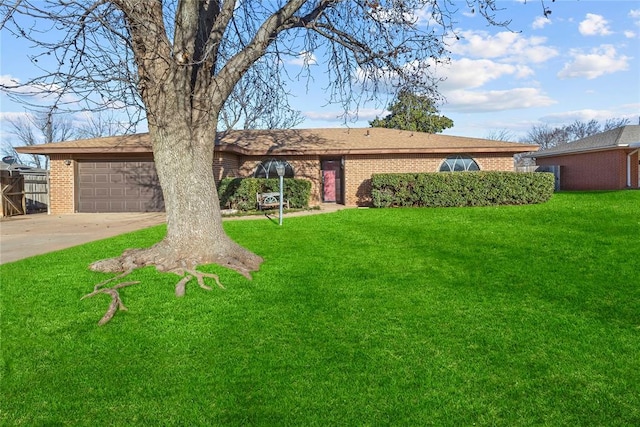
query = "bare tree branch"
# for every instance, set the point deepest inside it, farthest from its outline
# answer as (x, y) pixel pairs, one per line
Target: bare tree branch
(40, 127)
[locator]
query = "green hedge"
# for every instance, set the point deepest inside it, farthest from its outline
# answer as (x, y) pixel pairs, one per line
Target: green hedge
(240, 193)
(461, 189)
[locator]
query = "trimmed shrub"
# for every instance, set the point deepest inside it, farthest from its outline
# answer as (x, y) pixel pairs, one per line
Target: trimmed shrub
(460, 189)
(240, 193)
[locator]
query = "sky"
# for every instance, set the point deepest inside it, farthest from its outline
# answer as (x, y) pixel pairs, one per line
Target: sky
(582, 62)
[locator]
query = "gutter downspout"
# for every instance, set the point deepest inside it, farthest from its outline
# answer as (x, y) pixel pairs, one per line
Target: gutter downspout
(637, 144)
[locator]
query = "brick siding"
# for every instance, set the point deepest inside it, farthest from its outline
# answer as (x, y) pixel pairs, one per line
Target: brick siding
(604, 170)
(61, 185)
(225, 165)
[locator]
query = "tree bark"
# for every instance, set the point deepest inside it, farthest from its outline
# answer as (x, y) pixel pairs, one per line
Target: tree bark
(194, 221)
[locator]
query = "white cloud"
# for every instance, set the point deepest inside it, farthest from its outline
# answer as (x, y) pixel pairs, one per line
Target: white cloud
(371, 113)
(585, 115)
(635, 15)
(472, 73)
(339, 116)
(503, 56)
(393, 15)
(496, 100)
(8, 80)
(540, 22)
(599, 61)
(7, 138)
(304, 59)
(424, 17)
(13, 85)
(322, 115)
(506, 45)
(594, 25)
(35, 93)
(6, 116)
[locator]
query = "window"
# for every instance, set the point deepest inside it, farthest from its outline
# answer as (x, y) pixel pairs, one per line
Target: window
(459, 164)
(267, 169)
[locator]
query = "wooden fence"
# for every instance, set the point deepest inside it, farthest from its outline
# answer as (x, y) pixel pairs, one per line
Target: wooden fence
(23, 192)
(36, 191)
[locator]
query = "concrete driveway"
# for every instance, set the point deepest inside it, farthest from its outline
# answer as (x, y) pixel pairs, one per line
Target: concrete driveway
(36, 234)
(28, 235)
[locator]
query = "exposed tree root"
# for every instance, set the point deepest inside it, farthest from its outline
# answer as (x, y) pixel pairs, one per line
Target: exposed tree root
(181, 286)
(190, 274)
(166, 260)
(116, 302)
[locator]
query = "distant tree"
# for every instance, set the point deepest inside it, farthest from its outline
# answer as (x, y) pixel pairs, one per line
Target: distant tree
(505, 135)
(614, 123)
(501, 135)
(103, 123)
(413, 112)
(39, 128)
(548, 137)
(579, 130)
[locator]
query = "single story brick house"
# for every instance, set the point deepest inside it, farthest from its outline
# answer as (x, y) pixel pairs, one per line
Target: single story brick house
(117, 174)
(605, 161)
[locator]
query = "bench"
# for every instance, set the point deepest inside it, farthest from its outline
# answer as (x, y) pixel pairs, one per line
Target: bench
(270, 201)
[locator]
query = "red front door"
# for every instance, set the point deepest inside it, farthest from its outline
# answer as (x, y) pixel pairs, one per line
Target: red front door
(329, 179)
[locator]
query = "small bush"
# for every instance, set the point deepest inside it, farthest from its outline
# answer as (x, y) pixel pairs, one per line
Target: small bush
(461, 189)
(240, 193)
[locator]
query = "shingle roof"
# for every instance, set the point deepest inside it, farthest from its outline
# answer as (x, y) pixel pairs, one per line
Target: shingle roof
(136, 143)
(613, 139)
(301, 141)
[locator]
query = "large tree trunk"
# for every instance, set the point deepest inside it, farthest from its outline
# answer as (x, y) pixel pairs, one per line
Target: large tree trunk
(184, 161)
(183, 100)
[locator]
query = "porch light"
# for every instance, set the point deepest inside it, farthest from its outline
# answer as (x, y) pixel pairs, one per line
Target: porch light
(280, 167)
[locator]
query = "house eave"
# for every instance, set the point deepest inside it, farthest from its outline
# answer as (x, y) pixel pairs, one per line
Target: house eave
(387, 151)
(583, 151)
(281, 152)
(82, 150)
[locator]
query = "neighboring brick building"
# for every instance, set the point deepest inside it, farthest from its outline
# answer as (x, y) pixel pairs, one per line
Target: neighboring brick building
(116, 174)
(606, 161)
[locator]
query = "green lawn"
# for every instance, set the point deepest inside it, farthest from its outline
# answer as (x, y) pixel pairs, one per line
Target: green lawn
(523, 315)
